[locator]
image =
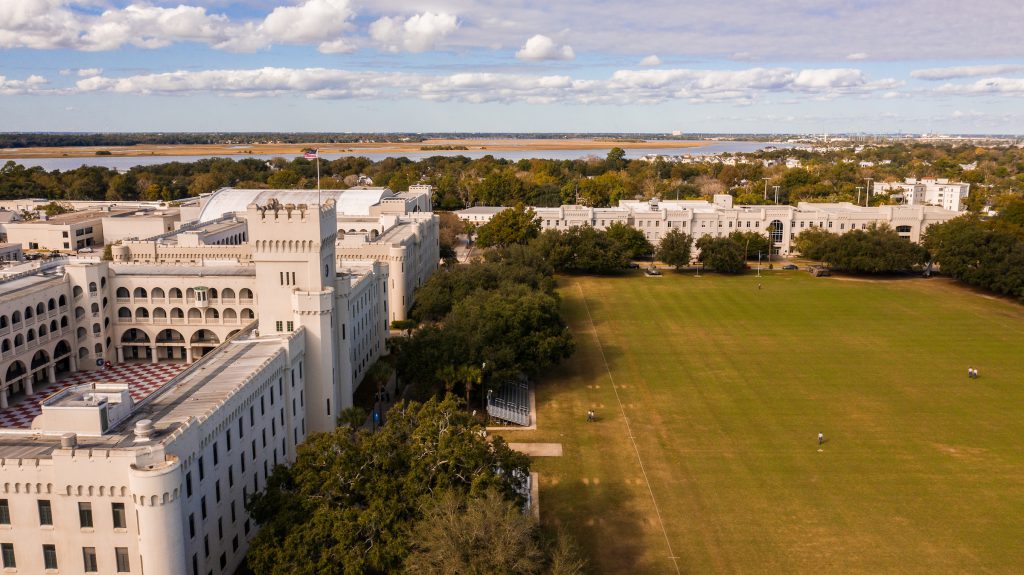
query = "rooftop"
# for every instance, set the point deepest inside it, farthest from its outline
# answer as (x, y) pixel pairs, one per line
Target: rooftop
(351, 202)
(183, 270)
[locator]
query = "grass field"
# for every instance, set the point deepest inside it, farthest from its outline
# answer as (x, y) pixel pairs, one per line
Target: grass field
(723, 388)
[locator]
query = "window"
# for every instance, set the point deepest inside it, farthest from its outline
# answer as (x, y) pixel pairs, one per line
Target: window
(291, 326)
(120, 521)
(7, 551)
(188, 484)
(49, 556)
(216, 490)
(202, 506)
(121, 554)
(206, 545)
(202, 473)
(191, 525)
(216, 453)
(5, 512)
(45, 512)
(89, 559)
(85, 515)
(279, 325)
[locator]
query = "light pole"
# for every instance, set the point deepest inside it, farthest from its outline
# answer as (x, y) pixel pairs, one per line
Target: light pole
(765, 188)
(867, 192)
(758, 263)
(776, 194)
(859, 188)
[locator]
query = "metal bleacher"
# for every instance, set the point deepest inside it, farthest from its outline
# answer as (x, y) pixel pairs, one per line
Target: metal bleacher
(511, 402)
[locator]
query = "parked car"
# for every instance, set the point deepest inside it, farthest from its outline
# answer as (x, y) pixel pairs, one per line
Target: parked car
(790, 267)
(634, 266)
(653, 271)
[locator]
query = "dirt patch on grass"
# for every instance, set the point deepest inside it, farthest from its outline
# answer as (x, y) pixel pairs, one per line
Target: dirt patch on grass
(959, 451)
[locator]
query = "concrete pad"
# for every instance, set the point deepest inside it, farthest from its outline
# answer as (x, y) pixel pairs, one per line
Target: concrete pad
(538, 449)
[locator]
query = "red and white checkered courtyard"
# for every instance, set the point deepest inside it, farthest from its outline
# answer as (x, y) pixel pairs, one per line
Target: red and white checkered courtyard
(142, 379)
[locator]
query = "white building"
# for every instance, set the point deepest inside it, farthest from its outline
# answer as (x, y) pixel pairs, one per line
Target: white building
(928, 192)
(267, 315)
(479, 215)
(782, 224)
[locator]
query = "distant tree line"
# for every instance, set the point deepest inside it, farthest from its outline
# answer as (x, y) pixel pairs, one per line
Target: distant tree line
(996, 175)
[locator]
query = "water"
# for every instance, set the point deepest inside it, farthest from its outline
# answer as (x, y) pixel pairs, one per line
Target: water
(123, 163)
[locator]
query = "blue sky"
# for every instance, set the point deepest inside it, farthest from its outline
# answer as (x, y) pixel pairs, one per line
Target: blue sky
(498, 65)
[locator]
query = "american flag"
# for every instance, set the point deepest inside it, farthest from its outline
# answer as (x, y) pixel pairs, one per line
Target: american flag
(311, 155)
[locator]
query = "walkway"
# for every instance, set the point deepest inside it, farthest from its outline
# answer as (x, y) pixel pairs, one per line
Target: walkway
(142, 379)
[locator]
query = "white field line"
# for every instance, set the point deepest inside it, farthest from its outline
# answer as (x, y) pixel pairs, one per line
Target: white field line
(629, 430)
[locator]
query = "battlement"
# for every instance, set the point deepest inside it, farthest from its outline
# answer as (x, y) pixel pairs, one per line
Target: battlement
(274, 211)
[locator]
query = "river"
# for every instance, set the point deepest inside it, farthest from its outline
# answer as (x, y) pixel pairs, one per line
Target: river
(123, 163)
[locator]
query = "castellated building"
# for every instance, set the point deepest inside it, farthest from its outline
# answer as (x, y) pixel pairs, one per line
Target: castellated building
(144, 397)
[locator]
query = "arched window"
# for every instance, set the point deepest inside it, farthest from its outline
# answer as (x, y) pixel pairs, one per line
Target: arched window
(81, 333)
(31, 334)
(122, 292)
(159, 313)
(40, 308)
(96, 329)
(775, 231)
(175, 293)
(62, 301)
(28, 312)
(95, 307)
(92, 287)
(105, 303)
(79, 312)
(158, 293)
(19, 340)
(177, 313)
(247, 314)
(5, 346)
(64, 321)
(227, 294)
(99, 349)
(246, 293)
(3, 321)
(76, 291)
(194, 313)
(53, 325)
(212, 313)
(103, 282)
(140, 293)
(141, 313)
(42, 330)
(124, 312)
(52, 304)
(213, 293)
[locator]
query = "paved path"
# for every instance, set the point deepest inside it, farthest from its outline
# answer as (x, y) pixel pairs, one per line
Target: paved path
(538, 449)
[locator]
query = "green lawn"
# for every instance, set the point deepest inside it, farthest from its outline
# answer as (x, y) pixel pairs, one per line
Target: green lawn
(726, 386)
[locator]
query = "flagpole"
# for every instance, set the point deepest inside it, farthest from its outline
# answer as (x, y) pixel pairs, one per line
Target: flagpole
(318, 202)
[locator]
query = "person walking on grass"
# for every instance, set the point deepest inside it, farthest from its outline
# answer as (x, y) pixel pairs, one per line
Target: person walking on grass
(821, 438)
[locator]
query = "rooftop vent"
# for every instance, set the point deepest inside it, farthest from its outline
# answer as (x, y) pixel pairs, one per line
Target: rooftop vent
(144, 429)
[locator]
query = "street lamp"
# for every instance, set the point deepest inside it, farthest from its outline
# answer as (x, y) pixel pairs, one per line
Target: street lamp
(867, 191)
(765, 188)
(759, 264)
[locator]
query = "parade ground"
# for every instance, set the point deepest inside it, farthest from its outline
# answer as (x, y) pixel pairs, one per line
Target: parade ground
(710, 393)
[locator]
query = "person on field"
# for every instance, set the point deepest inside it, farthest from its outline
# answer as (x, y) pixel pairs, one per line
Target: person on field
(970, 372)
(821, 438)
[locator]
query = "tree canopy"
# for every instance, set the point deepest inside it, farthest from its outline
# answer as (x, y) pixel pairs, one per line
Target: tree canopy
(349, 503)
(723, 255)
(873, 250)
(675, 248)
(516, 225)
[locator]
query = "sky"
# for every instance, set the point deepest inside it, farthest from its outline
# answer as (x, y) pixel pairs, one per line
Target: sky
(783, 66)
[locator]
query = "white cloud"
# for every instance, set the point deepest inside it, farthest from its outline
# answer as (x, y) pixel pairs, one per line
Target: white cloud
(310, 22)
(857, 56)
(85, 72)
(652, 60)
(622, 87)
(954, 72)
(540, 47)
(31, 85)
(49, 24)
(986, 86)
(418, 33)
